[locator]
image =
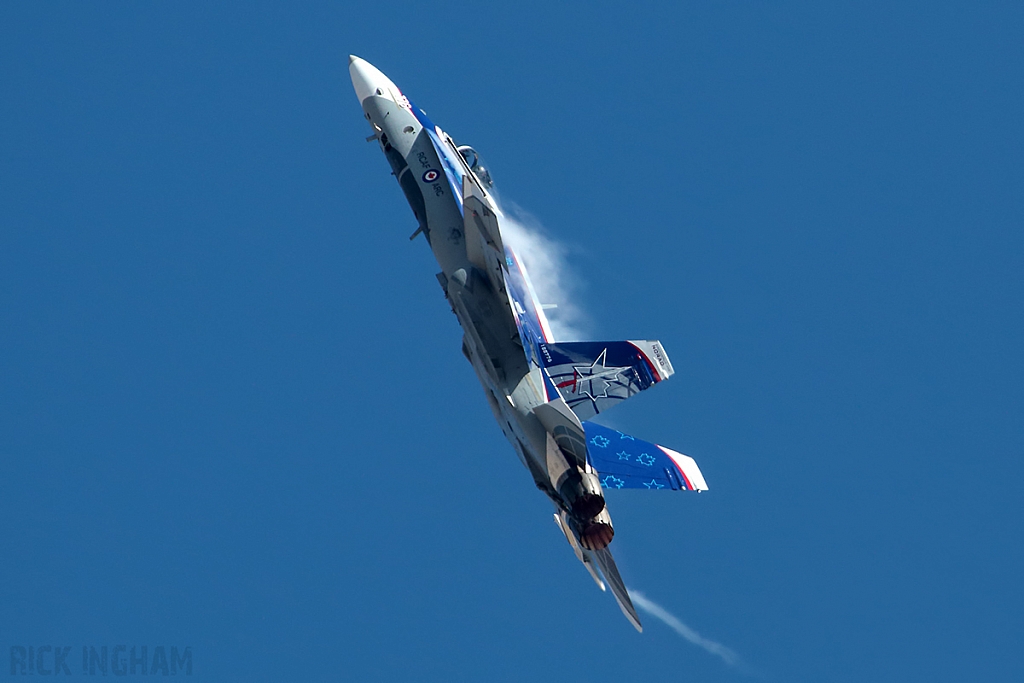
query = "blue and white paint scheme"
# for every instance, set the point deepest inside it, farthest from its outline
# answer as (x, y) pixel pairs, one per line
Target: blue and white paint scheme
(542, 391)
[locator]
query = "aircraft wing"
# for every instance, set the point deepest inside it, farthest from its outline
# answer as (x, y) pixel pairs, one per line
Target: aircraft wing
(611, 576)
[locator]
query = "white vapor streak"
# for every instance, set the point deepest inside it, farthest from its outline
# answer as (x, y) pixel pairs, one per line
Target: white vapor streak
(659, 612)
(546, 261)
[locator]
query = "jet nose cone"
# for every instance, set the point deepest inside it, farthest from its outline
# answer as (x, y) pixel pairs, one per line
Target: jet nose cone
(368, 80)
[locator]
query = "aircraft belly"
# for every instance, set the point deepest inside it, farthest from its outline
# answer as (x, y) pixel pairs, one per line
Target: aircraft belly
(444, 219)
(415, 163)
(512, 383)
(491, 333)
(499, 362)
(505, 374)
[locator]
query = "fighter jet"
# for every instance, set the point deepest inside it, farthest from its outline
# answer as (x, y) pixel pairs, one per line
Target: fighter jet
(542, 391)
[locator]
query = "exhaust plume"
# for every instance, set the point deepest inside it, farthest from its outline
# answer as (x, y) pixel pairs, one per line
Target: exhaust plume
(666, 617)
(547, 262)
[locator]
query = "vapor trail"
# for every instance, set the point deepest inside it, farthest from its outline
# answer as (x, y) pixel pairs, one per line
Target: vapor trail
(659, 612)
(547, 263)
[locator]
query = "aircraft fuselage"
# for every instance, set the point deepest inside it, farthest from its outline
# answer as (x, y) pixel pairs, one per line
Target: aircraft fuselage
(437, 180)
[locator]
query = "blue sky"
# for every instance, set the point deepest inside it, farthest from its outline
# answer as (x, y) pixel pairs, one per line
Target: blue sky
(233, 411)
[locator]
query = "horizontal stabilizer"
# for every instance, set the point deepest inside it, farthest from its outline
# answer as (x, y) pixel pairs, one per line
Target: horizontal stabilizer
(594, 376)
(625, 462)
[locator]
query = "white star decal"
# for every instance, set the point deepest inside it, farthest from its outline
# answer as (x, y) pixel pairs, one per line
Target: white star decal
(596, 373)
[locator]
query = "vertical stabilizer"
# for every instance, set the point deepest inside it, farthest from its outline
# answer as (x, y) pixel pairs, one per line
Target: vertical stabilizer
(594, 376)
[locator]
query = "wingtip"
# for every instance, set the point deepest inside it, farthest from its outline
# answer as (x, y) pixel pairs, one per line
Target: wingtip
(635, 620)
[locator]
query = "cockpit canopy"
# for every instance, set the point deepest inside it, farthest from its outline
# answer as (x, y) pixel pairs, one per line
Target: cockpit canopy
(476, 165)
